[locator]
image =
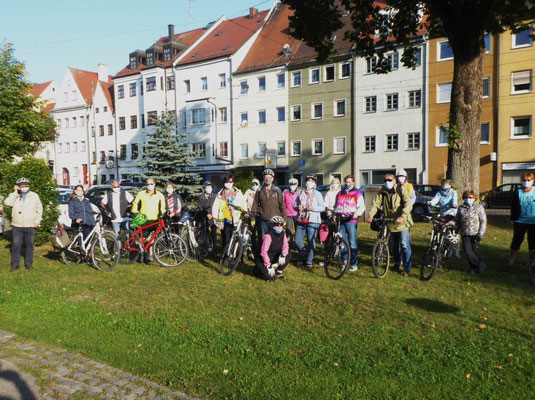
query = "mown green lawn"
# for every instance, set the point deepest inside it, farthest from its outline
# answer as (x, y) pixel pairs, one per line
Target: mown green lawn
(308, 337)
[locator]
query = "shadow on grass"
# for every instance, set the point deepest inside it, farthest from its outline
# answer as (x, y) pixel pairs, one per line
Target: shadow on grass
(434, 306)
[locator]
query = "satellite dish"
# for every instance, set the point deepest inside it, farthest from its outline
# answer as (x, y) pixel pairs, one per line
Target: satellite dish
(244, 123)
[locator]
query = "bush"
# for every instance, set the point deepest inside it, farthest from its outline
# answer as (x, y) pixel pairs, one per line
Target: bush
(41, 182)
(243, 178)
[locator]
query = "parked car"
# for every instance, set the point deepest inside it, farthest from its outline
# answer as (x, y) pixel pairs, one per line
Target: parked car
(499, 197)
(424, 193)
(126, 182)
(95, 194)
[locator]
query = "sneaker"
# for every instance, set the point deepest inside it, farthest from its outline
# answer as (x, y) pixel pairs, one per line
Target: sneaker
(299, 263)
(308, 267)
(28, 266)
(279, 275)
(395, 268)
(405, 273)
(14, 268)
(510, 262)
(353, 268)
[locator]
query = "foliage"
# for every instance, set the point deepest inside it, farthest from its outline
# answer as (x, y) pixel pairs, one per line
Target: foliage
(22, 126)
(42, 182)
(243, 178)
(166, 157)
(452, 134)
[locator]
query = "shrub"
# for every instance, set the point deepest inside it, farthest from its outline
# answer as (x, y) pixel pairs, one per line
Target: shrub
(243, 178)
(41, 182)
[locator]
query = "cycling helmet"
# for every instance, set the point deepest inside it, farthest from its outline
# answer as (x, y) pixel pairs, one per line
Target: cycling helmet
(311, 176)
(139, 220)
(268, 172)
(293, 181)
(22, 180)
(276, 220)
(206, 183)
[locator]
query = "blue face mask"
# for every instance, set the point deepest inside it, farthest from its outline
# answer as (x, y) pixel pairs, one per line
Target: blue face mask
(469, 202)
(277, 229)
(150, 187)
(445, 188)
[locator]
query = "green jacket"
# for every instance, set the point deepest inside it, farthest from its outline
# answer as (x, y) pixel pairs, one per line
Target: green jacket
(394, 205)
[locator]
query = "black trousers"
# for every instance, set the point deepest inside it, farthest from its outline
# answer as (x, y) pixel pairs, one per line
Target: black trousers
(20, 236)
(262, 270)
(212, 229)
(471, 248)
(519, 231)
(226, 234)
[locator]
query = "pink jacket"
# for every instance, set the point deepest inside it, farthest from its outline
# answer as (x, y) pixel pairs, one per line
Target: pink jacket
(266, 243)
(289, 202)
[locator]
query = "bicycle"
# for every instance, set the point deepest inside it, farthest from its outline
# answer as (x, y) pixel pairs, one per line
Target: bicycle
(195, 234)
(239, 247)
(169, 249)
(444, 236)
(336, 249)
(100, 246)
(381, 247)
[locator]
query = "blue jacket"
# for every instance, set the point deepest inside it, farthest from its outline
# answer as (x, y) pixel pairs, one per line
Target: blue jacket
(81, 209)
(446, 200)
(318, 206)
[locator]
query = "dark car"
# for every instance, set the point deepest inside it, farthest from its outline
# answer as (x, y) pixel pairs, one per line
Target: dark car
(424, 193)
(95, 194)
(499, 197)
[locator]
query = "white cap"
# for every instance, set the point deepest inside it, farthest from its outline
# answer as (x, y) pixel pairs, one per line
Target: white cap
(401, 172)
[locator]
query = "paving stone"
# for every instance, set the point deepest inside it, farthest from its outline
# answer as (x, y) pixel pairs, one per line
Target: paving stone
(7, 334)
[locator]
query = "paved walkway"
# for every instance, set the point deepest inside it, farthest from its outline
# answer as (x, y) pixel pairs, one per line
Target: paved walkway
(31, 371)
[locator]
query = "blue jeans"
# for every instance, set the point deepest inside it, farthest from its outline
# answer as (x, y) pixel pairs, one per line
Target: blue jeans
(402, 240)
(117, 226)
(349, 233)
(306, 254)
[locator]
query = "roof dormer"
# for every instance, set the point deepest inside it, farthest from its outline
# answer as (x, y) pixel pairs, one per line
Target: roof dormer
(136, 59)
(154, 53)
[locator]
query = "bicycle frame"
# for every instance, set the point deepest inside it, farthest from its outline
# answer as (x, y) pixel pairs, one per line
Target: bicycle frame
(85, 243)
(138, 233)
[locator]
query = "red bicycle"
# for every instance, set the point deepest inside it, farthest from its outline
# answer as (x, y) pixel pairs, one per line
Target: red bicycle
(169, 249)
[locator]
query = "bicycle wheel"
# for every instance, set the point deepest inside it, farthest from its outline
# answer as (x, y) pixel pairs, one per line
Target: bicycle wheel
(170, 250)
(231, 257)
(105, 251)
(204, 244)
(74, 255)
(531, 268)
(131, 254)
(430, 264)
(380, 258)
(335, 267)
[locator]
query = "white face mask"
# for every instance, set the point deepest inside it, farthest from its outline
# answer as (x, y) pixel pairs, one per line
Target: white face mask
(268, 180)
(389, 184)
(402, 179)
(116, 189)
(446, 187)
(254, 187)
(169, 190)
(293, 188)
(150, 188)
(208, 190)
(25, 189)
(229, 185)
(79, 193)
(527, 184)
(335, 186)
(310, 185)
(350, 185)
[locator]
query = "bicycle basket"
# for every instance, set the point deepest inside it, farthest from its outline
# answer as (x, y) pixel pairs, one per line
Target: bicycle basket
(139, 220)
(324, 232)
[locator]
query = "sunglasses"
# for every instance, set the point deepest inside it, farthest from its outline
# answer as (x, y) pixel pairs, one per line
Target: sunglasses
(389, 180)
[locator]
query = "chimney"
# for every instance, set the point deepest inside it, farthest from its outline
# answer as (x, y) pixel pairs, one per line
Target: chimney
(171, 30)
(253, 12)
(103, 72)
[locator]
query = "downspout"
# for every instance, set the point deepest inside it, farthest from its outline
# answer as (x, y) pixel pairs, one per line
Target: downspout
(496, 108)
(94, 131)
(353, 141)
(88, 147)
(424, 111)
(231, 114)
(117, 155)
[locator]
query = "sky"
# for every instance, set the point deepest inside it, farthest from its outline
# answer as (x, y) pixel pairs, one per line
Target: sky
(49, 36)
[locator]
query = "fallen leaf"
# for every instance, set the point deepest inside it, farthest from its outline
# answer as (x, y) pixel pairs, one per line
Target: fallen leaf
(468, 376)
(510, 355)
(499, 367)
(468, 283)
(433, 326)
(225, 371)
(482, 326)
(513, 308)
(336, 364)
(225, 350)
(8, 292)
(485, 318)
(64, 288)
(241, 318)
(139, 345)
(476, 329)
(485, 309)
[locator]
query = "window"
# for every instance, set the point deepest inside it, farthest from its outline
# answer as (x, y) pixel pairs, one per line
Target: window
(445, 51)
(281, 149)
(296, 148)
(183, 118)
(187, 86)
(317, 110)
(371, 64)
(521, 82)
(223, 115)
(122, 154)
(296, 113)
(244, 87)
(486, 88)
(371, 104)
(486, 40)
(223, 149)
(110, 129)
(443, 92)
(345, 70)
(97, 110)
(392, 142)
(393, 60)
(82, 146)
(262, 117)
(298, 177)
(152, 116)
(197, 116)
(82, 121)
(101, 130)
(391, 102)
(485, 133)
(67, 147)
(133, 122)
(442, 136)
(262, 84)
(244, 150)
(60, 148)
(369, 144)
(134, 151)
(296, 79)
(281, 81)
(415, 98)
(122, 123)
(328, 73)
(281, 114)
(413, 141)
(76, 171)
(133, 62)
(418, 57)
(74, 122)
(339, 145)
(522, 38)
(150, 58)
(151, 84)
(142, 118)
(262, 150)
(339, 108)
(66, 123)
(105, 109)
(204, 83)
(198, 150)
(520, 127)
(75, 147)
(222, 80)
(102, 157)
(317, 147)
(93, 157)
(120, 91)
(170, 82)
(314, 76)
(167, 54)
(244, 118)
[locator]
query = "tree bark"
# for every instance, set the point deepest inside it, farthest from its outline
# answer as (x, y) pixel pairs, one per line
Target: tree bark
(465, 118)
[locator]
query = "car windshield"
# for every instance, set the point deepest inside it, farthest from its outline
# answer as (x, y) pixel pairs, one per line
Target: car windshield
(63, 198)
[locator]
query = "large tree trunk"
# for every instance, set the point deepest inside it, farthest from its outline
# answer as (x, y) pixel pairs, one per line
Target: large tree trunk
(465, 120)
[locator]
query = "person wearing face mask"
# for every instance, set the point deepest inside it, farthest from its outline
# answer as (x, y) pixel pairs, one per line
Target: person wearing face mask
(309, 205)
(290, 196)
(116, 202)
(26, 215)
(173, 200)
(395, 202)
(149, 202)
(251, 192)
(275, 252)
(472, 223)
(267, 203)
(446, 199)
(205, 203)
(330, 197)
(224, 215)
(523, 216)
(80, 211)
(403, 180)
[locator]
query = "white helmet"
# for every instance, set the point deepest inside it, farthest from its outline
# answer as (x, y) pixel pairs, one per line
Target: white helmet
(276, 220)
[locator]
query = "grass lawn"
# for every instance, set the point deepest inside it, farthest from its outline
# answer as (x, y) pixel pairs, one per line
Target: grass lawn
(308, 337)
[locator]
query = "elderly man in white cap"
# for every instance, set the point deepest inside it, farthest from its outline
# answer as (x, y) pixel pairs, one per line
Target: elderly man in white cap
(401, 177)
(250, 193)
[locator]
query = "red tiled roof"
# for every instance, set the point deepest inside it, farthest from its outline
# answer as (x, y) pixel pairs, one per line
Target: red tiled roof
(49, 107)
(107, 88)
(87, 81)
(39, 88)
(226, 38)
(266, 51)
(186, 38)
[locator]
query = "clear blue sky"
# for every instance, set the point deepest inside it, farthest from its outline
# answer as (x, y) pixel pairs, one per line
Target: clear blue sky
(52, 35)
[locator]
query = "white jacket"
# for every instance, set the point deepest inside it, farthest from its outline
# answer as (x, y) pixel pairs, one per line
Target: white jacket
(330, 200)
(26, 213)
(239, 201)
